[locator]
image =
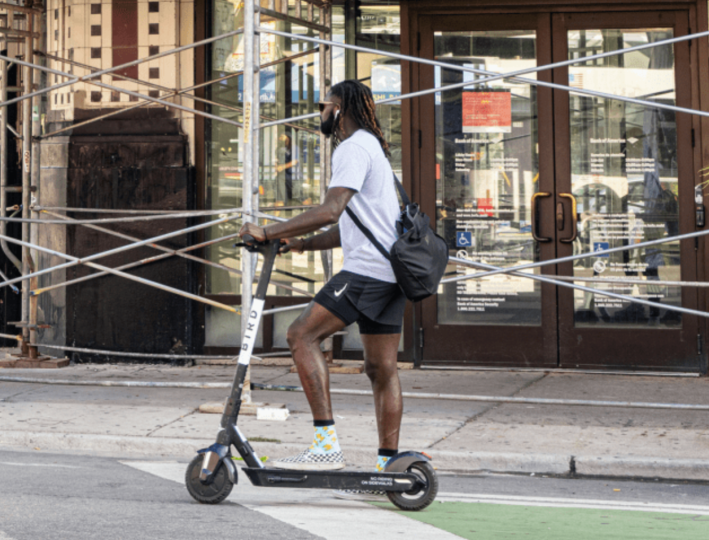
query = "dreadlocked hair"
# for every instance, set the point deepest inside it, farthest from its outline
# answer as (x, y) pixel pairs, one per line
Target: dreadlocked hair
(357, 99)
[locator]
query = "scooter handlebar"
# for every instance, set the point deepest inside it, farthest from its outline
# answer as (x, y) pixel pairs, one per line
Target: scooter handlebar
(248, 239)
(253, 245)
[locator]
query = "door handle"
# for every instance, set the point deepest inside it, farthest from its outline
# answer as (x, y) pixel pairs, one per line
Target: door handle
(574, 217)
(535, 216)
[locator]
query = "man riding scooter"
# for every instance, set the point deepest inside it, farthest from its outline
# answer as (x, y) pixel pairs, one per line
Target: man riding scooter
(365, 291)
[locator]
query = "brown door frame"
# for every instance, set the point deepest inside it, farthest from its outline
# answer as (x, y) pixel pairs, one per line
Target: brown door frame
(489, 345)
(606, 346)
(414, 15)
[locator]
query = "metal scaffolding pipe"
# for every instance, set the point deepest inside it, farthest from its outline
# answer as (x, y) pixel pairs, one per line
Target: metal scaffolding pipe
(354, 392)
(191, 213)
(118, 273)
(180, 253)
(107, 71)
(26, 160)
(119, 249)
(503, 399)
(154, 217)
(631, 281)
(570, 258)
(174, 93)
(141, 262)
(446, 65)
(136, 355)
(545, 279)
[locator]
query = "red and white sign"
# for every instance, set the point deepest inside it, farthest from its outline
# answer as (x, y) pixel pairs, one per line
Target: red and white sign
(487, 112)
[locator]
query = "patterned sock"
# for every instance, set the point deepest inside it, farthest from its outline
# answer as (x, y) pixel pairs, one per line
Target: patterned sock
(325, 439)
(385, 454)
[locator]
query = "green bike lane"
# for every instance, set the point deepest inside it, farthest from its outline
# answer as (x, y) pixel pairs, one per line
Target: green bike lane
(499, 518)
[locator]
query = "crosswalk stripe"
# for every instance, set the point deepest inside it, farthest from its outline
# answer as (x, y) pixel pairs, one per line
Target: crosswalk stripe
(312, 510)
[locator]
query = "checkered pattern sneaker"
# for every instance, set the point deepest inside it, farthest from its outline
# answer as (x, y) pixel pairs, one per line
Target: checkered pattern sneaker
(360, 495)
(308, 461)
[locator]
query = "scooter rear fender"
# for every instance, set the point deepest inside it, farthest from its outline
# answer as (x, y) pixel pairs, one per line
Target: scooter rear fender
(402, 461)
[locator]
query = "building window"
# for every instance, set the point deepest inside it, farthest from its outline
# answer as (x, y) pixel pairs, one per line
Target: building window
(133, 98)
(153, 7)
(95, 9)
(153, 50)
(56, 14)
(154, 93)
(69, 11)
(95, 97)
(56, 35)
(95, 29)
(62, 100)
(115, 96)
(95, 52)
(55, 99)
(154, 73)
(153, 29)
(69, 32)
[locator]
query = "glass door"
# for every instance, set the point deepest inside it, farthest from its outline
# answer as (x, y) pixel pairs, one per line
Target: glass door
(493, 171)
(629, 169)
(517, 173)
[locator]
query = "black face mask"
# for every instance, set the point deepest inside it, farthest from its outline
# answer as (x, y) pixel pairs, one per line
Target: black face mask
(327, 127)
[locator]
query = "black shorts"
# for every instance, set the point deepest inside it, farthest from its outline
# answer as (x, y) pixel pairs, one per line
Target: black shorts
(377, 306)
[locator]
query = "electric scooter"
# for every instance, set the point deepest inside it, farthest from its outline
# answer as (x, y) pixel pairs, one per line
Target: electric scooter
(409, 480)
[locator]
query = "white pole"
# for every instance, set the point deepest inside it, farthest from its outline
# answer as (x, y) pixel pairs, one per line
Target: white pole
(250, 147)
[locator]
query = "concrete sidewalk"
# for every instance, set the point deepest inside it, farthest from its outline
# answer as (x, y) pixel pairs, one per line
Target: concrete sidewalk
(461, 436)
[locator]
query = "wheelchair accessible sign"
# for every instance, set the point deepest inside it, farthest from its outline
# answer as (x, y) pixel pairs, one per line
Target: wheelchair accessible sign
(601, 246)
(463, 239)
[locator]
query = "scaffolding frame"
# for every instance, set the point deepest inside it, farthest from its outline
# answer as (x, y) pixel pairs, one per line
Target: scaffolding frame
(251, 126)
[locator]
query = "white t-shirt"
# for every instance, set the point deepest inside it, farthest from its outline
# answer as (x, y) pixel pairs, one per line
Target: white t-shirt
(359, 163)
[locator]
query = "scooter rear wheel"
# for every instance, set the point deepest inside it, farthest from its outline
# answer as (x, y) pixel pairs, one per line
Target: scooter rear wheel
(421, 496)
(214, 492)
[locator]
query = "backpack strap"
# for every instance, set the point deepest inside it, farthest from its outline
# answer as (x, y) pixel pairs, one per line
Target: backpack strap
(366, 232)
(401, 190)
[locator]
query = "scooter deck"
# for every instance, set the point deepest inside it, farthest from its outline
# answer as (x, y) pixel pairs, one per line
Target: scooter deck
(333, 479)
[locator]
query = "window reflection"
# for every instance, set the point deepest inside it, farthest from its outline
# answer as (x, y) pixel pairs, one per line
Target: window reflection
(624, 175)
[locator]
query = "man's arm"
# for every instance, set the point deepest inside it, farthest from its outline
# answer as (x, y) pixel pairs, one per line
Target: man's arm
(328, 213)
(328, 240)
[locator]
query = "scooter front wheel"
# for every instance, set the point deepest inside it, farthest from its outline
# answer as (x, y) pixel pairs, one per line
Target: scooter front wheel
(213, 492)
(423, 494)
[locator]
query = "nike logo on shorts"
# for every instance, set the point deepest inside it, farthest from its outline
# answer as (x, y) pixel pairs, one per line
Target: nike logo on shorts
(338, 293)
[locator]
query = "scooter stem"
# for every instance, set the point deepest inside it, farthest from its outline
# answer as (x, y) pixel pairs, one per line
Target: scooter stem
(269, 250)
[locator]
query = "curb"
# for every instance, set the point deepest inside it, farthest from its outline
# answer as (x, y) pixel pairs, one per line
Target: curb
(643, 467)
(465, 462)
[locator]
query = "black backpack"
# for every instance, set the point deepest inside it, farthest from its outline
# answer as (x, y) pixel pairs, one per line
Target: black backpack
(419, 256)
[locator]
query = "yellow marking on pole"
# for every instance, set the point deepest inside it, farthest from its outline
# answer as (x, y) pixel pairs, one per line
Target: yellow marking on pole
(534, 180)
(247, 122)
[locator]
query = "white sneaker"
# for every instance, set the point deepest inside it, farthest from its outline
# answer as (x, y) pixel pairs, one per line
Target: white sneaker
(308, 461)
(360, 495)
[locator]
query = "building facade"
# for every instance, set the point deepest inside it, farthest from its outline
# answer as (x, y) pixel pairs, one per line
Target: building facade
(514, 172)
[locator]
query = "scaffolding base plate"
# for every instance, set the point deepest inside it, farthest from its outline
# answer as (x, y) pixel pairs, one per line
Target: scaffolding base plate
(42, 362)
(248, 409)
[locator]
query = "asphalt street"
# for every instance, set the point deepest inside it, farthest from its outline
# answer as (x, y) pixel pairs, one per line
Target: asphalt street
(59, 496)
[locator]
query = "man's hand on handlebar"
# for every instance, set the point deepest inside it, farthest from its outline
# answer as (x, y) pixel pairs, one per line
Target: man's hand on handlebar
(253, 230)
(291, 244)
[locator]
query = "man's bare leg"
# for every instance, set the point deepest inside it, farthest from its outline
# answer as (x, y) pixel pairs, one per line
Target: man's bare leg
(380, 352)
(304, 337)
